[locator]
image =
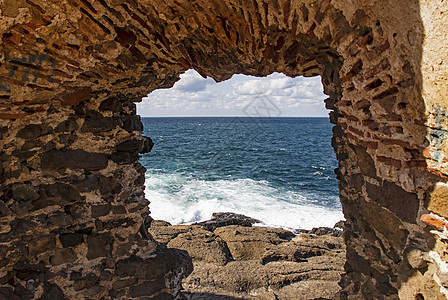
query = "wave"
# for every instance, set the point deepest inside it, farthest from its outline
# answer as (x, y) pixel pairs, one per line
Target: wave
(181, 199)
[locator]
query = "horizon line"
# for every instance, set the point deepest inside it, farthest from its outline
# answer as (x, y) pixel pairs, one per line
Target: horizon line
(235, 117)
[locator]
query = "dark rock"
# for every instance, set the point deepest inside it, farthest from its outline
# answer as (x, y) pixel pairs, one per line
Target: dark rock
(33, 131)
(147, 288)
(132, 123)
(119, 284)
(124, 157)
(111, 104)
(66, 139)
(73, 159)
(52, 293)
(56, 194)
(227, 219)
(119, 210)
(40, 245)
(68, 125)
(100, 210)
(130, 146)
(71, 239)
(63, 256)
(30, 144)
(21, 226)
(24, 192)
(59, 219)
(164, 261)
(326, 231)
(99, 245)
(95, 125)
(94, 290)
(365, 161)
(403, 204)
(89, 183)
(8, 294)
(106, 275)
(147, 146)
(85, 282)
(109, 185)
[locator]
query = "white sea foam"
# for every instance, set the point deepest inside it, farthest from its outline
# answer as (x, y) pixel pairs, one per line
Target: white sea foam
(180, 199)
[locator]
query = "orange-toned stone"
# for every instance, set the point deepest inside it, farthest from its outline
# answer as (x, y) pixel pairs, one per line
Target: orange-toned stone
(439, 223)
(12, 116)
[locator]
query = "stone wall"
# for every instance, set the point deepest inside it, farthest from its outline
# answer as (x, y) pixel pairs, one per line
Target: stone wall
(73, 217)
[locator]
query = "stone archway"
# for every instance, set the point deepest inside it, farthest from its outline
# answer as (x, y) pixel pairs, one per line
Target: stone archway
(73, 214)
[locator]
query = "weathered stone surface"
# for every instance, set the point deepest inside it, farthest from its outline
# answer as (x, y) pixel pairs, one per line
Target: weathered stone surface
(33, 131)
(251, 243)
(226, 219)
(283, 270)
(73, 159)
(68, 125)
(202, 245)
(71, 239)
(99, 245)
(98, 125)
(63, 256)
(403, 204)
(383, 67)
(437, 199)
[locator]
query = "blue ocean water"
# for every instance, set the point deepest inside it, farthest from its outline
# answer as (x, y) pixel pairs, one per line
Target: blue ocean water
(278, 170)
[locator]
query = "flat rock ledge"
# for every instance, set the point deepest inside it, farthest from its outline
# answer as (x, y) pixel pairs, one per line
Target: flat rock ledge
(244, 262)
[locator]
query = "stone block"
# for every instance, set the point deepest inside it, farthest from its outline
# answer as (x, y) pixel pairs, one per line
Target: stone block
(73, 159)
(68, 125)
(98, 125)
(99, 245)
(33, 131)
(71, 239)
(63, 256)
(100, 210)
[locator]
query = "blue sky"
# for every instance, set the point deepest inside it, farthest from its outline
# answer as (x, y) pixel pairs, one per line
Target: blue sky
(274, 95)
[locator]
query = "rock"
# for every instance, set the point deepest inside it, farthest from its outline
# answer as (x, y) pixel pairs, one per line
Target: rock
(68, 125)
(132, 123)
(147, 146)
(73, 159)
(250, 243)
(202, 245)
(99, 245)
(33, 131)
(326, 231)
(96, 125)
(63, 256)
(56, 194)
(155, 267)
(226, 219)
(71, 239)
(124, 157)
(164, 234)
(299, 249)
(147, 288)
(160, 223)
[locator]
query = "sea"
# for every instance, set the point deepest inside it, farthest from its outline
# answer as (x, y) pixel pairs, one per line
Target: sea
(277, 170)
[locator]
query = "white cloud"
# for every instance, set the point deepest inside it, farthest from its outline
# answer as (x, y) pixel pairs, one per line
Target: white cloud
(193, 95)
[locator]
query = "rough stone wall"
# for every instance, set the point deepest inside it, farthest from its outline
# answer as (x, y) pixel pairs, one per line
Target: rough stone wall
(73, 213)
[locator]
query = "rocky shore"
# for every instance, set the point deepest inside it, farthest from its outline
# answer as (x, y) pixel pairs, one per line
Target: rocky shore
(234, 260)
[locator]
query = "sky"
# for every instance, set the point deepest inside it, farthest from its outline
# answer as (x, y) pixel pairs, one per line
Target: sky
(241, 96)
